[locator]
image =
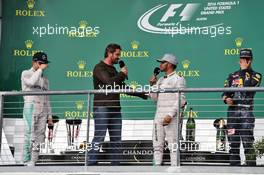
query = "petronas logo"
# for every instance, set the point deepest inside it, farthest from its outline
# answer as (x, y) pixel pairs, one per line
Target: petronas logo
(239, 42)
(134, 45)
(133, 85)
(30, 4)
(81, 64)
(186, 64)
(83, 24)
(79, 105)
(29, 44)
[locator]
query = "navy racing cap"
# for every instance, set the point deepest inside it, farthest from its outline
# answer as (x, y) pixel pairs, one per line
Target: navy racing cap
(40, 57)
(246, 53)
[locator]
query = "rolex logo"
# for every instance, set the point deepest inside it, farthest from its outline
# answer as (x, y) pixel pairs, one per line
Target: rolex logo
(239, 42)
(29, 44)
(81, 72)
(185, 64)
(83, 24)
(79, 105)
(133, 85)
(134, 45)
(30, 4)
(81, 64)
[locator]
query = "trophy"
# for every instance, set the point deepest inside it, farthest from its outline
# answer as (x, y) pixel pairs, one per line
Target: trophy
(73, 127)
(47, 148)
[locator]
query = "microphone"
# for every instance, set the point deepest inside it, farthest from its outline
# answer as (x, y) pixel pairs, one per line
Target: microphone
(121, 65)
(156, 71)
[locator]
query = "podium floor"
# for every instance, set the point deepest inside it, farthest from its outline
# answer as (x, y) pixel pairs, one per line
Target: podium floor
(127, 170)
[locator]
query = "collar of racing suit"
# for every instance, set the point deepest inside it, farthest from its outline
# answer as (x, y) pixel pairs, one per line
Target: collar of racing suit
(166, 76)
(246, 70)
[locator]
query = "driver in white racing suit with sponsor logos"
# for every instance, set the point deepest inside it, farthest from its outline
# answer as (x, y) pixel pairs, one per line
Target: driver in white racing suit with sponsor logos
(167, 109)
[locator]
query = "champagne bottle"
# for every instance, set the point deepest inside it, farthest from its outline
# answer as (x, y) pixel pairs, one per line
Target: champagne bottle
(190, 127)
(221, 136)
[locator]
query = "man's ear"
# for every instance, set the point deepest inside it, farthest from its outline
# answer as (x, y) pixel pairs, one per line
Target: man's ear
(109, 54)
(170, 65)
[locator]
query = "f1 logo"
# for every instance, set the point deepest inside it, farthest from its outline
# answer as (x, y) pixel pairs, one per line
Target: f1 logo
(186, 13)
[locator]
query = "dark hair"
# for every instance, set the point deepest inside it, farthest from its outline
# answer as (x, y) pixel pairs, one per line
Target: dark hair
(111, 48)
(174, 66)
(247, 59)
(250, 58)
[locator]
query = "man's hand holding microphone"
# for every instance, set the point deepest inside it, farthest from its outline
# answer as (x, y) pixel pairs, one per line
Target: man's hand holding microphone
(123, 68)
(153, 80)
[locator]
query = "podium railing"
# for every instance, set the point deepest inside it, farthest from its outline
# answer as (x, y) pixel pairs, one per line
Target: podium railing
(86, 113)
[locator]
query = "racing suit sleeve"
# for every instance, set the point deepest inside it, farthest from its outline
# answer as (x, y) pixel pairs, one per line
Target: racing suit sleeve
(256, 80)
(31, 81)
(181, 83)
(154, 96)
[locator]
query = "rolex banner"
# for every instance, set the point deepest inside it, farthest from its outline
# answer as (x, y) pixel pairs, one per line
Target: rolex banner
(205, 35)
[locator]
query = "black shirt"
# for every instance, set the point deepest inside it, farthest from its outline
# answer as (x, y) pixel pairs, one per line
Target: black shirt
(106, 77)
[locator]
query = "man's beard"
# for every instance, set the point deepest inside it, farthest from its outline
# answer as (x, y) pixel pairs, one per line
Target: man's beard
(115, 61)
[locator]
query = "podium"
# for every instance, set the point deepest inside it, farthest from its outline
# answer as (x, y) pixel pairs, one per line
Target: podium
(140, 152)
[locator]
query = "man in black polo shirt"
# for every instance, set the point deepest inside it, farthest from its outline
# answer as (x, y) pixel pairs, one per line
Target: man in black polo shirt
(107, 108)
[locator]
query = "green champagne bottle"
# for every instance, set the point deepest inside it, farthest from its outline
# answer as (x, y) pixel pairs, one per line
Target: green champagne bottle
(190, 127)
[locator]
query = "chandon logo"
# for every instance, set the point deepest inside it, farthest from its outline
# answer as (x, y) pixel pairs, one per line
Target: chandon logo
(176, 20)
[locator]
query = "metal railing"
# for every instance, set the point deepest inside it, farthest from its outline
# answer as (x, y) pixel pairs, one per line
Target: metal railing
(88, 96)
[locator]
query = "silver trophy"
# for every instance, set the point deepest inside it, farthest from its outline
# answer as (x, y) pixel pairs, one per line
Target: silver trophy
(47, 147)
(73, 127)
